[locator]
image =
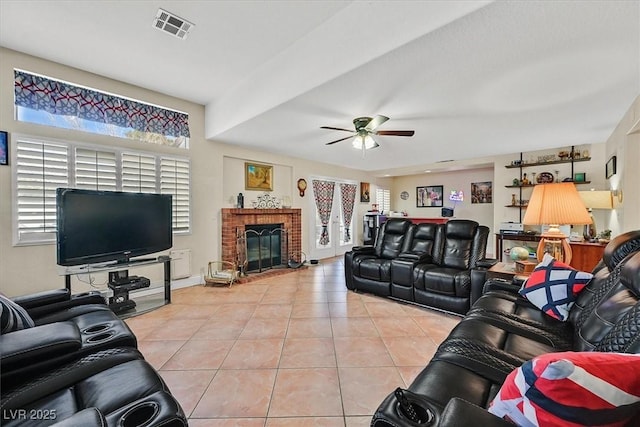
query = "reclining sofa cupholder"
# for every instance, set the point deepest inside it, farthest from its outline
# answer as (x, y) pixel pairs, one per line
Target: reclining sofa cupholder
(96, 328)
(423, 414)
(100, 337)
(140, 415)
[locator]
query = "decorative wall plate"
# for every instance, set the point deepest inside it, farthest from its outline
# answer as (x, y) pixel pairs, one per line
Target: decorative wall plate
(404, 195)
(545, 178)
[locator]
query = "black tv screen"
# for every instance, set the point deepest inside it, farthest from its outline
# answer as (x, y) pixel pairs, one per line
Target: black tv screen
(100, 226)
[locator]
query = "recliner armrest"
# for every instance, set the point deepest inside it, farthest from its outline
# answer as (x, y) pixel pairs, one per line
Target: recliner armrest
(486, 263)
(92, 297)
(460, 413)
(363, 249)
(416, 257)
(501, 285)
(43, 298)
(21, 348)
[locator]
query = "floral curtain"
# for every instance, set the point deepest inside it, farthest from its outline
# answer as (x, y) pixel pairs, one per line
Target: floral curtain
(323, 194)
(59, 98)
(348, 197)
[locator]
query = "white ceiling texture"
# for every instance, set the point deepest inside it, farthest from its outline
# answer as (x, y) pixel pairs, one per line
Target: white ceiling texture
(472, 78)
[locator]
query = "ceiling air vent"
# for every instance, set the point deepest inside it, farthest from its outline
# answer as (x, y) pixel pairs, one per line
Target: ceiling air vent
(172, 24)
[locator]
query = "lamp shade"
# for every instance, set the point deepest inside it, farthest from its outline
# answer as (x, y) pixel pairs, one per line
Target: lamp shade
(597, 199)
(557, 203)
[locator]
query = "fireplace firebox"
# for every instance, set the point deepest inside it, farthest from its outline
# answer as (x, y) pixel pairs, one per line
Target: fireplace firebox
(265, 246)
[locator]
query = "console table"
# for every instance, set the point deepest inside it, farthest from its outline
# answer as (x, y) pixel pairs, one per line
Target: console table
(585, 255)
(143, 307)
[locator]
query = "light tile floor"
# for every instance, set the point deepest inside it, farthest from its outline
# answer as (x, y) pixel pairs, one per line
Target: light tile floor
(292, 350)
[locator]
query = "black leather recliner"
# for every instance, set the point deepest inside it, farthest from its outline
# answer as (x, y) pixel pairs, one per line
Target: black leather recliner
(425, 245)
(115, 387)
(430, 264)
(369, 267)
(67, 329)
(502, 330)
(446, 282)
(79, 366)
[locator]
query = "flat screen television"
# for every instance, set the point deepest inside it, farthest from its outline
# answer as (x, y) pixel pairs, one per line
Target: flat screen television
(101, 226)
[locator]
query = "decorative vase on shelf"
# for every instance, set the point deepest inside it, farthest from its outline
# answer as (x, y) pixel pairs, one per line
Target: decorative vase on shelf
(525, 180)
(513, 200)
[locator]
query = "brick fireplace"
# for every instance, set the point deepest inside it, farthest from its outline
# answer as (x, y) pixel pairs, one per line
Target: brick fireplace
(234, 222)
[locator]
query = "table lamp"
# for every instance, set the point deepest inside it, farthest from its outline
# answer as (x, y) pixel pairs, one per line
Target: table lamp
(595, 200)
(555, 204)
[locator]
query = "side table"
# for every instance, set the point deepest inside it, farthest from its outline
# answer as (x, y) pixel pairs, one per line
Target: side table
(506, 271)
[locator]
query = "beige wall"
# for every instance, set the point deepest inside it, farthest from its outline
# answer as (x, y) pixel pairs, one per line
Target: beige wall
(216, 176)
(455, 180)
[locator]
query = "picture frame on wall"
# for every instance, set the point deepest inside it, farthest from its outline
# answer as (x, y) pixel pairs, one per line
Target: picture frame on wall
(258, 177)
(429, 196)
(4, 148)
(482, 192)
(365, 192)
(610, 168)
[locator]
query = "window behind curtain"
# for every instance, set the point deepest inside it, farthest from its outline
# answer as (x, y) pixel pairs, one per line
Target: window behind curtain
(42, 165)
(47, 101)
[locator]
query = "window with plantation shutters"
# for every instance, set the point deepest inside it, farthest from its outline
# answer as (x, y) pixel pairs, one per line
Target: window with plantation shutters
(383, 198)
(139, 173)
(40, 168)
(43, 165)
(95, 169)
(175, 180)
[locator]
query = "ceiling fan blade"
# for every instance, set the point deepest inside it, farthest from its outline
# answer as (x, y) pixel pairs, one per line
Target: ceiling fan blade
(332, 128)
(338, 140)
(375, 122)
(395, 132)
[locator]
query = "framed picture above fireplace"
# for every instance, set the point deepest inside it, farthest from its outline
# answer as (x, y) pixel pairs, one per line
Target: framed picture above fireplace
(258, 177)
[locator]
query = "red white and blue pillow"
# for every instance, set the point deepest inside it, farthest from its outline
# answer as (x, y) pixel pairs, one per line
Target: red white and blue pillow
(553, 287)
(570, 390)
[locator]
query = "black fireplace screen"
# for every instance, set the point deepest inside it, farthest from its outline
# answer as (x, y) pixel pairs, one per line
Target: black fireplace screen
(265, 247)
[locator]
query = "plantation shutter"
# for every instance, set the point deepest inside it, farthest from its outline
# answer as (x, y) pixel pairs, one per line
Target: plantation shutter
(138, 173)
(41, 167)
(174, 180)
(383, 198)
(95, 169)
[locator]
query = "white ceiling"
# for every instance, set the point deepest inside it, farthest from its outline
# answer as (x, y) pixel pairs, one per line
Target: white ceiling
(472, 78)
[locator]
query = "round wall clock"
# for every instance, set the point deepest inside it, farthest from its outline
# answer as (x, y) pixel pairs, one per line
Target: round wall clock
(404, 195)
(302, 186)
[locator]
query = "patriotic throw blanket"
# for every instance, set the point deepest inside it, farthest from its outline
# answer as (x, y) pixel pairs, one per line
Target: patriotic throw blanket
(571, 389)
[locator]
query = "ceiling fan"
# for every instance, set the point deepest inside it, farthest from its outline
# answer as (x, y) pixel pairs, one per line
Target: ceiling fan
(365, 128)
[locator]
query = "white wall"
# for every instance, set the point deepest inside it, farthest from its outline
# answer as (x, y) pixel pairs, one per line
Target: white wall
(626, 148)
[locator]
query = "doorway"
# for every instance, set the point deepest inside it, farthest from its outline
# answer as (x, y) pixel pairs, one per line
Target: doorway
(333, 202)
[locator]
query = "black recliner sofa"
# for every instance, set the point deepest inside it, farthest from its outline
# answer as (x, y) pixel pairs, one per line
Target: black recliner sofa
(428, 264)
(77, 366)
(503, 330)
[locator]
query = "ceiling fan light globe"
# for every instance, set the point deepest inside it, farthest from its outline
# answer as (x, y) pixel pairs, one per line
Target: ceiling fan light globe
(369, 142)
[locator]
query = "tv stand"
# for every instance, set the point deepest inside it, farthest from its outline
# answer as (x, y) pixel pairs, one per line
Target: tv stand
(166, 261)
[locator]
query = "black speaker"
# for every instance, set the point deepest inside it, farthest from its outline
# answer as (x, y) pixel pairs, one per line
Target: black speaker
(447, 212)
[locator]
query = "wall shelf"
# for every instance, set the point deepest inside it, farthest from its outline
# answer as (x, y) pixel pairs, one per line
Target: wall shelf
(533, 185)
(553, 162)
(522, 165)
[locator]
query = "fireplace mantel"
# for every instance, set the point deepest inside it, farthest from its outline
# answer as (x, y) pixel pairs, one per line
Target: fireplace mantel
(236, 211)
(234, 220)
